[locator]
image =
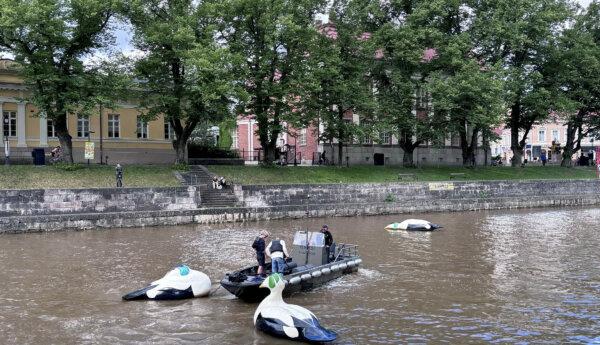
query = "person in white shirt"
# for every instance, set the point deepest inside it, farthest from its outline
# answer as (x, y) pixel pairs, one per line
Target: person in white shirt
(277, 251)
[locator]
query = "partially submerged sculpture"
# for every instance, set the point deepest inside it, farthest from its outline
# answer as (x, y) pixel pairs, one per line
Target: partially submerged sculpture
(413, 224)
(179, 283)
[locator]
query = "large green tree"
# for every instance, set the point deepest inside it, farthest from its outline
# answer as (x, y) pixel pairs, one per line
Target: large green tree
(342, 58)
(520, 35)
(274, 39)
(574, 72)
(51, 39)
(184, 73)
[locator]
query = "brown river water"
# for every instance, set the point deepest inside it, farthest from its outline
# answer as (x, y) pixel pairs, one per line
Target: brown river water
(521, 277)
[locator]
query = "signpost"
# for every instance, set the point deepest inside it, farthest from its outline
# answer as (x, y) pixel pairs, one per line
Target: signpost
(89, 151)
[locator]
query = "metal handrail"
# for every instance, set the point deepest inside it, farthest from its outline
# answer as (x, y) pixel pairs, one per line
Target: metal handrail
(347, 250)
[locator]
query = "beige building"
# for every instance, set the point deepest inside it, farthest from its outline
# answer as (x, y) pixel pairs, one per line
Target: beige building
(119, 135)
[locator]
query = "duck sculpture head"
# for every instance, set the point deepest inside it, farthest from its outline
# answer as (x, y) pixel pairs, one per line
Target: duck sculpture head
(275, 317)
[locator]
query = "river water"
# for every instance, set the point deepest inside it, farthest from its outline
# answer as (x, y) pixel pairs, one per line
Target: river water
(488, 277)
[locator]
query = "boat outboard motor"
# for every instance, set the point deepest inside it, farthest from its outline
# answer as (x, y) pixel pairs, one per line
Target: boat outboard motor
(179, 283)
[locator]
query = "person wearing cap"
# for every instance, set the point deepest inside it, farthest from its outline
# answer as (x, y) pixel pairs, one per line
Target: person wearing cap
(259, 246)
(328, 239)
(277, 251)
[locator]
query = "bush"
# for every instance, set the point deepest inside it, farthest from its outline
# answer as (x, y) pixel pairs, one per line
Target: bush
(180, 167)
(199, 151)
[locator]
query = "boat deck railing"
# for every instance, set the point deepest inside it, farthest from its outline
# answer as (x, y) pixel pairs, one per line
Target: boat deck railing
(346, 250)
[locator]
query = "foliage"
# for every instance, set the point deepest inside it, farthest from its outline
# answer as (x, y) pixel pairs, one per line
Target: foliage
(180, 167)
(202, 151)
(51, 39)
(274, 39)
(185, 72)
(68, 166)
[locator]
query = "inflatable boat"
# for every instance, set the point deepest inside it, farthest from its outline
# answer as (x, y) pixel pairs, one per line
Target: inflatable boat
(414, 225)
(309, 266)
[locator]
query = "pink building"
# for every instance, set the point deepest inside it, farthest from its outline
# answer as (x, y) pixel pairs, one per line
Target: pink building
(299, 144)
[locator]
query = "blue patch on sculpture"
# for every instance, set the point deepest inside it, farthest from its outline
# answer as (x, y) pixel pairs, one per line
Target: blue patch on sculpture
(183, 270)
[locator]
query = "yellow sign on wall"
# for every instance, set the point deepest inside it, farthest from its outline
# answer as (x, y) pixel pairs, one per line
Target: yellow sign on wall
(89, 150)
(441, 186)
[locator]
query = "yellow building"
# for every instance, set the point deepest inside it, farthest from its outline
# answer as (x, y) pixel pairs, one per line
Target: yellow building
(119, 135)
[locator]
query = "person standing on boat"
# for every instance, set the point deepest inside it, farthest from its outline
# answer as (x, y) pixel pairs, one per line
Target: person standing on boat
(259, 245)
(277, 251)
(328, 240)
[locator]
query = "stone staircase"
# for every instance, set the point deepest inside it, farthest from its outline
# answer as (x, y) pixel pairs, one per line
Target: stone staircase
(200, 177)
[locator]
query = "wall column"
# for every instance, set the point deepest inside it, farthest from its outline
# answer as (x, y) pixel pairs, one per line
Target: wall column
(21, 142)
(43, 130)
(1, 124)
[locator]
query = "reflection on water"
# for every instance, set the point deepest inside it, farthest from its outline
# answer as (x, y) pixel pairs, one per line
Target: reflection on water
(506, 276)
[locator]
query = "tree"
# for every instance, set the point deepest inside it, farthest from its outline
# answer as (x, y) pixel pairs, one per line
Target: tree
(574, 69)
(50, 39)
(185, 74)
(274, 39)
(520, 34)
(400, 73)
(342, 59)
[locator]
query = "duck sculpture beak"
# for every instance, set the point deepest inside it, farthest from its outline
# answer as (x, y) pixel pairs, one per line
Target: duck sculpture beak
(265, 283)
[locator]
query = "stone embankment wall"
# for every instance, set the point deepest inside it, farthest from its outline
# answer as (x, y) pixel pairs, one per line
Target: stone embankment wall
(22, 211)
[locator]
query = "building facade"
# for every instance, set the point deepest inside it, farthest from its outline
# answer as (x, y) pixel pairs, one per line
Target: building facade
(119, 135)
(545, 138)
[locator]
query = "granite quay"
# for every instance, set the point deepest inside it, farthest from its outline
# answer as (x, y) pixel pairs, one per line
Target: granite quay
(48, 210)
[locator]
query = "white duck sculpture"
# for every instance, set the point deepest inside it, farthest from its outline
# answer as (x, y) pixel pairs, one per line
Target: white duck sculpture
(280, 319)
(179, 283)
(413, 224)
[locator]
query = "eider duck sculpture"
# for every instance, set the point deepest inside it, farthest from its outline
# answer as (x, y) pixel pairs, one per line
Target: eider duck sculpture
(413, 224)
(275, 317)
(179, 283)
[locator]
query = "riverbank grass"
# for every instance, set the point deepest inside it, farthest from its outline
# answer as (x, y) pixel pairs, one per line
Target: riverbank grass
(379, 174)
(82, 176)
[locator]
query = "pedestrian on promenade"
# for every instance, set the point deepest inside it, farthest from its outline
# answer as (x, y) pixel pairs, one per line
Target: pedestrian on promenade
(277, 251)
(119, 175)
(543, 158)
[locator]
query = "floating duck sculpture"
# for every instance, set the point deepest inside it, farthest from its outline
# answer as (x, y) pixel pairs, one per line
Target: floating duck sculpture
(179, 283)
(413, 224)
(280, 319)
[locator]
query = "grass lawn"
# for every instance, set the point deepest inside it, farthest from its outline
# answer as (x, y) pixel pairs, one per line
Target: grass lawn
(32, 177)
(318, 174)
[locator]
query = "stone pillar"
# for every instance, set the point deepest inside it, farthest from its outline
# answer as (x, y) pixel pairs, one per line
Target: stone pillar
(43, 130)
(1, 125)
(21, 141)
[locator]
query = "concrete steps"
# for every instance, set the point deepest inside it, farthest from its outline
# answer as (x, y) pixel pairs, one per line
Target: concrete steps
(199, 176)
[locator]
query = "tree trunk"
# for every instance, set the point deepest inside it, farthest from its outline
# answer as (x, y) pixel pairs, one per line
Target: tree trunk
(407, 157)
(340, 153)
(180, 146)
(64, 138)
(517, 150)
(468, 146)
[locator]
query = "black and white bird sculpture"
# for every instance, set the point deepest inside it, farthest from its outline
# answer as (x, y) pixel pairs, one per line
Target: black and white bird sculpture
(179, 283)
(275, 317)
(413, 224)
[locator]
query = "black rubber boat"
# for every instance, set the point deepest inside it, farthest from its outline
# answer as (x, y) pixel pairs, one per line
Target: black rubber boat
(308, 267)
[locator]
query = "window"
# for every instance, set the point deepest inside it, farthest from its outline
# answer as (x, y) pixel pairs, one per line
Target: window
(303, 137)
(234, 139)
(542, 135)
(51, 130)
(142, 128)
(113, 126)
(10, 123)
(385, 138)
(556, 135)
(83, 126)
(169, 132)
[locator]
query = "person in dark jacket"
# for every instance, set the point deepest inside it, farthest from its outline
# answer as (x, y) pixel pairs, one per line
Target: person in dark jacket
(328, 239)
(259, 245)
